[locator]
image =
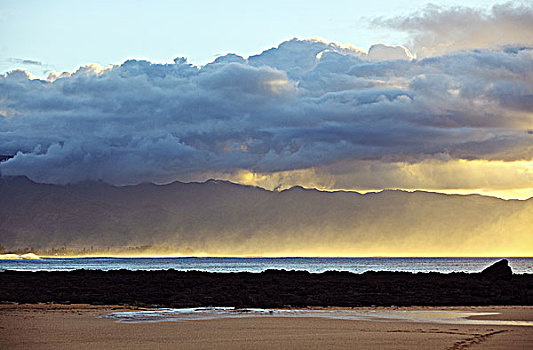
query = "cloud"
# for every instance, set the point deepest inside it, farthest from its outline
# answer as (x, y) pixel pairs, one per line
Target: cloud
(438, 30)
(381, 52)
(25, 62)
(304, 104)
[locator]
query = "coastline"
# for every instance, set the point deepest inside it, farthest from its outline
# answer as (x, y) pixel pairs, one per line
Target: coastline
(81, 309)
(56, 326)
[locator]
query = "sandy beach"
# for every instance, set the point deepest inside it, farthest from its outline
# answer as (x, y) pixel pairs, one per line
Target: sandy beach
(55, 326)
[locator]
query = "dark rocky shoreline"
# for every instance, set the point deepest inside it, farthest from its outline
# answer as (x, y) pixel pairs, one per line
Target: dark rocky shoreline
(272, 288)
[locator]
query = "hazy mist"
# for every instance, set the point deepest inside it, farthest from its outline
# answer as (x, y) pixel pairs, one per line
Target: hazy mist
(221, 218)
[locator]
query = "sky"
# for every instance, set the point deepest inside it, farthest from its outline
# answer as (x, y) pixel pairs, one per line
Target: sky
(64, 35)
(339, 95)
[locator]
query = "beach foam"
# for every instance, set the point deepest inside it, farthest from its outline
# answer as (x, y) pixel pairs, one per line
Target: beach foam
(27, 256)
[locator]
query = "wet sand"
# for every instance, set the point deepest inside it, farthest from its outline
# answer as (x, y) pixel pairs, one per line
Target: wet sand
(53, 326)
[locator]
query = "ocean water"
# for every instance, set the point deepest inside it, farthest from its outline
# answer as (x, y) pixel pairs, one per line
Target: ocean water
(314, 265)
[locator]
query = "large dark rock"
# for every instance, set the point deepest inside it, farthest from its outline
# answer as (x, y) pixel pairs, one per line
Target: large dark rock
(500, 270)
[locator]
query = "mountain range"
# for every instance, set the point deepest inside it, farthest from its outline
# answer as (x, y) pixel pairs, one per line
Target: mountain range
(224, 218)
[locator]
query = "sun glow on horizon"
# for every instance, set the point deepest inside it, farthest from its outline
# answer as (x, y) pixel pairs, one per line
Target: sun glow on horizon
(313, 254)
(500, 179)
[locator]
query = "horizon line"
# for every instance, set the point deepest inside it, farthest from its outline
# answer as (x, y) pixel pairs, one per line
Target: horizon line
(207, 256)
(446, 192)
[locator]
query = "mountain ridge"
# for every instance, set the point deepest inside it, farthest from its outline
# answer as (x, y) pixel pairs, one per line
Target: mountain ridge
(221, 217)
(295, 187)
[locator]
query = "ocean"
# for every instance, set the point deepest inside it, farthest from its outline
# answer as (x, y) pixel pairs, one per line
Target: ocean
(314, 265)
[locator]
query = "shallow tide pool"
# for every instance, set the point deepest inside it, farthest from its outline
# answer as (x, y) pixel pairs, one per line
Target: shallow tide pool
(209, 313)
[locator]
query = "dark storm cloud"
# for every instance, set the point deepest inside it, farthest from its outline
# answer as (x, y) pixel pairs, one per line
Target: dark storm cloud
(306, 103)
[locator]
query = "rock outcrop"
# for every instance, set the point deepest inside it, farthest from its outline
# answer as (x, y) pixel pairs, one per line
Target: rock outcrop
(271, 288)
(499, 271)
